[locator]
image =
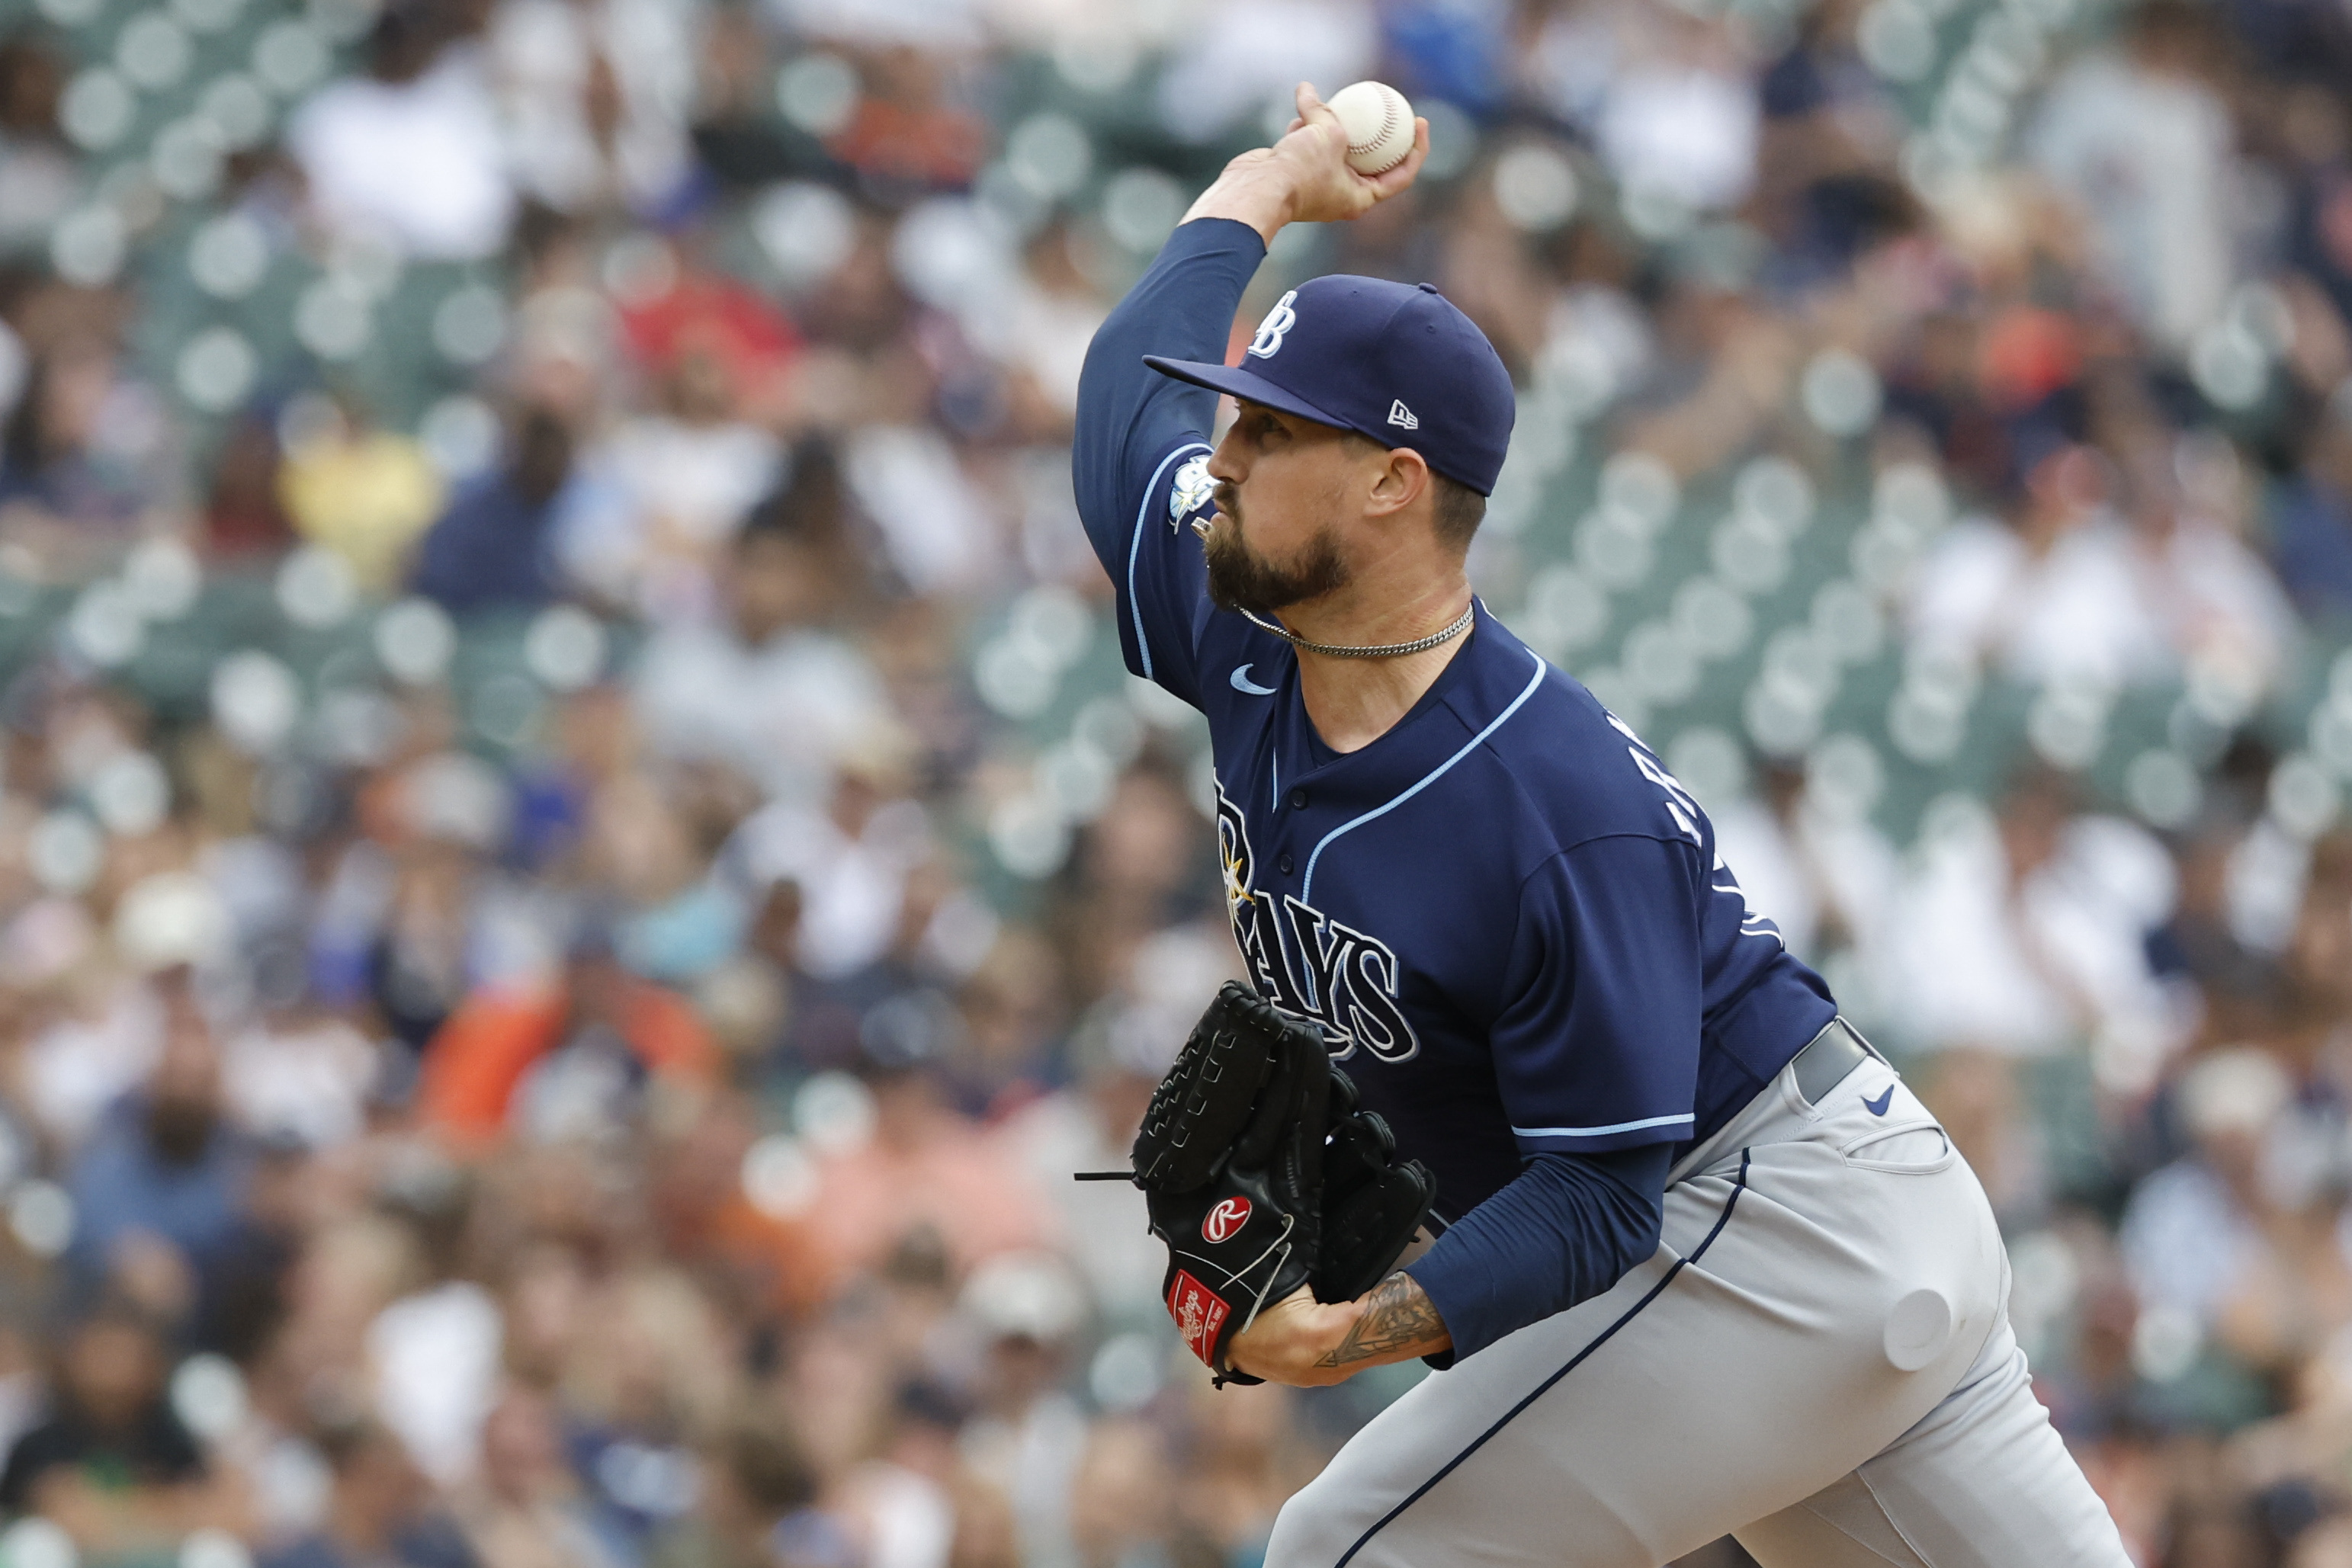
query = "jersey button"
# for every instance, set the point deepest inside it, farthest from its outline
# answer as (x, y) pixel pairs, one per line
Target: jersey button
(1282, 865)
(1298, 800)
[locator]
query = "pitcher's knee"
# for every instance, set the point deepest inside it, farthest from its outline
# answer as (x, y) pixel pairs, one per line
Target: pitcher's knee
(1315, 1528)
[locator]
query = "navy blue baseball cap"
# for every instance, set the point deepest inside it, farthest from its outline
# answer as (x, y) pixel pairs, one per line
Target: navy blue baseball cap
(1394, 362)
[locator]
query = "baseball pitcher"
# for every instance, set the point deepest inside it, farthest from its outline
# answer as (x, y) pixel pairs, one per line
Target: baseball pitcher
(1704, 1265)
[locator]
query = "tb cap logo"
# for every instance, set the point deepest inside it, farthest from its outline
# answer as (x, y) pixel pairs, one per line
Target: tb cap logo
(1275, 327)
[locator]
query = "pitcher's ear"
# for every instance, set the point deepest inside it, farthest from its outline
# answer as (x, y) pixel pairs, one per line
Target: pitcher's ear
(1404, 479)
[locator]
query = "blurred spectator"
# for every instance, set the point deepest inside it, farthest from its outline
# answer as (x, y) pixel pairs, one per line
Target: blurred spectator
(529, 1513)
(2141, 138)
(767, 691)
(243, 516)
(2053, 594)
(1122, 1049)
(689, 476)
(593, 98)
(380, 1511)
(160, 1188)
(68, 488)
(495, 546)
(2024, 936)
(409, 155)
(848, 867)
(38, 179)
(920, 1167)
(755, 1481)
(367, 494)
(112, 1463)
(1029, 1437)
(433, 1352)
(2236, 1244)
(563, 1061)
(1677, 119)
(1125, 1507)
(1824, 870)
(2311, 524)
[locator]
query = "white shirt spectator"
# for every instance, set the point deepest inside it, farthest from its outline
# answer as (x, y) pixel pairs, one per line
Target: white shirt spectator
(929, 24)
(310, 1081)
(907, 479)
(2104, 606)
(543, 55)
(1684, 131)
(2078, 613)
(781, 713)
(2148, 159)
(2029, 969)
(1236, 58)
(2221, 606)
(852, 889)
(682, 489)
(78, 1066)
(436, 1355)
(418, 163)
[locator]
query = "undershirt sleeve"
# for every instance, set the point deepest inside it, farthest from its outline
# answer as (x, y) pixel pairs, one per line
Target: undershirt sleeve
(1562, 1231)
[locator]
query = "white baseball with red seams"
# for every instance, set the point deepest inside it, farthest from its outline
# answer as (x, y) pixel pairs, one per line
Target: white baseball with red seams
(1378, 123)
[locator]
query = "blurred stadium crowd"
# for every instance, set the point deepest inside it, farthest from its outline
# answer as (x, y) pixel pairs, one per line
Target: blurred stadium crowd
(576, 864)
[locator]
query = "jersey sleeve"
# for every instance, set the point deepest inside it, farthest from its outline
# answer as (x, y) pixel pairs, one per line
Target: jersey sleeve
(1142, 443)
(1598, 1046)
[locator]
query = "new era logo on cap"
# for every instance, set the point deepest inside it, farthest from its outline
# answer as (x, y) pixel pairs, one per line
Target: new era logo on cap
(1338, 349)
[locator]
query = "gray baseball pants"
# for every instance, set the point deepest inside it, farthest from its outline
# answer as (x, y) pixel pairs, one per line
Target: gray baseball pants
(1818, 1360)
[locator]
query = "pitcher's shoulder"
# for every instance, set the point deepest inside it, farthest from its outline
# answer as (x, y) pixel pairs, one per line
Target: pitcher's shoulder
(1568, 760)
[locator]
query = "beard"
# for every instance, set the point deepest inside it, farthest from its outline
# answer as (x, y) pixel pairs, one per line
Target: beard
(1242, 578)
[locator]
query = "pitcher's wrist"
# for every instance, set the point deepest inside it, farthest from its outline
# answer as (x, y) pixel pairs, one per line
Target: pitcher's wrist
(1259, 194)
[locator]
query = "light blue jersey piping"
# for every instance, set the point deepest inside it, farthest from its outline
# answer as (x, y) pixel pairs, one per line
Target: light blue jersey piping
(1307, 884)
(1135, 547)
(1602, 1132)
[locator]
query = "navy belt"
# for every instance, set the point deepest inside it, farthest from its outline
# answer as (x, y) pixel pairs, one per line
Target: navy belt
(1822, 1065)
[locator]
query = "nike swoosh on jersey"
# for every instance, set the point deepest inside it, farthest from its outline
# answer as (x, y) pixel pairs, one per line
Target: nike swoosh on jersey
(1878, 1107)
(1242, 683)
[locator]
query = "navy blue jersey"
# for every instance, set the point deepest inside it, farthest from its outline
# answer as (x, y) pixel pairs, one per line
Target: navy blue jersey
(1510, 917)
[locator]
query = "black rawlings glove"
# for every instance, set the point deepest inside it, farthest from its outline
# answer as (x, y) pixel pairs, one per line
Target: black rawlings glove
(1372, 1205)
(1230, 1159)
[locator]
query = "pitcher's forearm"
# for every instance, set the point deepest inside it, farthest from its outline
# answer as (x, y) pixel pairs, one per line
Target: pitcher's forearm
(1308, 1344)
(1396, 1322)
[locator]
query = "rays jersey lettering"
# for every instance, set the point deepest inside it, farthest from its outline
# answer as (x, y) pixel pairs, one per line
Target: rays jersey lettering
(1304, 962)
(1683, 808)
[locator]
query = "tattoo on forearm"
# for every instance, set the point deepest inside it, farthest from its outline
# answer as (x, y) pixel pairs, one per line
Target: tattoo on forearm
(1397, 1317)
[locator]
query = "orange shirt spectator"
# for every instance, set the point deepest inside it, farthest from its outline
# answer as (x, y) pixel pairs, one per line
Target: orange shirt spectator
(474, 1062)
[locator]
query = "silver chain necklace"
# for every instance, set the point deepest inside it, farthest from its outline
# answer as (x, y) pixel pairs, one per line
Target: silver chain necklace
(1384, 651)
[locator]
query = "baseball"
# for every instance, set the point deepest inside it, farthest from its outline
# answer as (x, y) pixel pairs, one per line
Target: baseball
(1378, 123)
